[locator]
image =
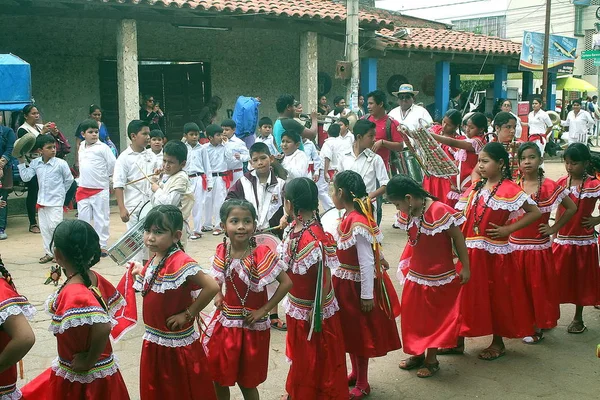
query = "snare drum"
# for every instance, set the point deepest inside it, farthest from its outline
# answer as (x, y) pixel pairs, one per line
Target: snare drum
(410, 166)
(266, 239)
(132, 241)
(143, 212)
(331, 220)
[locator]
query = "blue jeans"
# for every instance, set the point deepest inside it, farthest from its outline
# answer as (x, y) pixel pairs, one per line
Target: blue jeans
(3, 211)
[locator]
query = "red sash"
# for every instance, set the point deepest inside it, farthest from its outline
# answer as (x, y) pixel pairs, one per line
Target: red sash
(84, 193)
(311, 168)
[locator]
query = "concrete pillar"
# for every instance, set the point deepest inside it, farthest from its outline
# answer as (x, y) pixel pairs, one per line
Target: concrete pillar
(551, 92)
(500, 81)
(368, 76)
(127, 77)
(309, 68)
(527, 85)
(442, 89)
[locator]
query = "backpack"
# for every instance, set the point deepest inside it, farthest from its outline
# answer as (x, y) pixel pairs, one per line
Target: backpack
(245, 116)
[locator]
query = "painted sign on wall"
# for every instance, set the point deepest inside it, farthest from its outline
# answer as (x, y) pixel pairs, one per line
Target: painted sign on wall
(561, 53)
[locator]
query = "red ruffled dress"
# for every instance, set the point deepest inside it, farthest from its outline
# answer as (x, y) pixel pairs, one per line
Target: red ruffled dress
(237, 352)
(533, 255)
(318, 364)
(430, 314)
(74, 310)
(467, 160)
(11, 303)
(575, 249)
(375, 333)
(173, 364)
(494, 301)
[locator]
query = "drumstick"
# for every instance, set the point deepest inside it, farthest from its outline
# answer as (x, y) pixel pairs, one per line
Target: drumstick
(146, 176)
(21, 372)
(141, 179)
(134, 208)
(271, 229)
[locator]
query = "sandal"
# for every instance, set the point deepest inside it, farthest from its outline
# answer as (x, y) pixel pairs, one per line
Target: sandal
(46, 259)
(34, 229)
(277, 324)
(412, 362)
(534, 339)
(491, 354)
(458, 350)
(358, 394)
(428, 370)
(351, 380)
(576, 327)
(196, 236)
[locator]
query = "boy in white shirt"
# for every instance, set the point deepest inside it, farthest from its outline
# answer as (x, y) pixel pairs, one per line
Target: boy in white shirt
(237, 151)
(198, 169)
(315, 170)
(54, 178)
(96, 166)
(330, 152)
(217, 156)
(295, 161)
(346, 136)
(157, 141)
(265, 130)
(133, 164)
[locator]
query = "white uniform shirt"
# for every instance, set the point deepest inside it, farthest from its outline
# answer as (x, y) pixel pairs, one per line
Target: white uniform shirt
(233, 146)
(313, 155)
(369, 165)
(348, 139)
(538, 122)
(296, 165)
(332, 113)
(268, 199)
(411, 117)
(198, 162)
(270, 142)
(96, 165)
(129, 167)
(217, 156)
(54, 179)
(332, 150)
(579, 126)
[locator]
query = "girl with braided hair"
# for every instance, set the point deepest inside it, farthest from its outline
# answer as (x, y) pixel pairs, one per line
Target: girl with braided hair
(432, 282)
(575, 247)
(16, 335)
(368, 302)
(494, 302)
(173, 362)
(81, 321)
(313, 343)
(533, 245)
(239, 333)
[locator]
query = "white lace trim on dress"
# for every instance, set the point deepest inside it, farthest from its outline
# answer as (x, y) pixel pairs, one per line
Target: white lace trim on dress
(351, 240)
(303, 314)
(575, 242)
(89, 377)
(238, 323)
(168, 342)
(15, 309)
(504, 248)
(347, 274)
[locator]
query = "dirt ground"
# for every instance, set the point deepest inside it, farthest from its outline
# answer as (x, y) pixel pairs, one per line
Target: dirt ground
(561, 366)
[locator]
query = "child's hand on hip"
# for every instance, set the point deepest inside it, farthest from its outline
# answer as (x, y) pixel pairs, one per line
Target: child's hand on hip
(81, 363)
(255, 316)
(177, 321)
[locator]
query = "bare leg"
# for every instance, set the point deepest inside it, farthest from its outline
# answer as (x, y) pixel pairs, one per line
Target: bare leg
(250, 393)
(222, 391)
(578, 314)
(431, 357)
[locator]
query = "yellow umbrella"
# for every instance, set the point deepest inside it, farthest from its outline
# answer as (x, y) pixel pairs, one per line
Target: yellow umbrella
(572, 84)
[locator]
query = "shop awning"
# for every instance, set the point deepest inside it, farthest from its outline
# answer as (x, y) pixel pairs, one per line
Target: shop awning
(572, 84)
(15, 83)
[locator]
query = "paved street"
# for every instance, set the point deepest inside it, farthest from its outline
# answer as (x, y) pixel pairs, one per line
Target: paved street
(561, 366)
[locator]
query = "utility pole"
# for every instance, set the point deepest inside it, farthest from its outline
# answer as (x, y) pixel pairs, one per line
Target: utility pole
(352, 54)
(546, 51)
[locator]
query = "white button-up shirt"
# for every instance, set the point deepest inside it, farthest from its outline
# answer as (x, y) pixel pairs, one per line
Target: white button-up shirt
(538, 122)
(369, 165)
(270, 142)
(54, 179)
(332, 149)
(313, 155)
(296, 165)
(96, 165)
(411, 117)
(235, 146)
(198, 162)
(579, 126)
(217, 156)
(129, 167)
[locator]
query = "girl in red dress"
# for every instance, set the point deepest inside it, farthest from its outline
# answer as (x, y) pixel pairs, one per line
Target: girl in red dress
(442, 187)
(532, 244)
(495, 301)
(173, 363)
(16, 335)
(368, 301)
(314, 338)
(239, 335)
(85, 367)
(575, 247)
(430, 314)
(467, 151)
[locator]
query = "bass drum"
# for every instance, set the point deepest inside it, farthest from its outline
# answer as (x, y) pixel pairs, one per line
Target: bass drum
(331, 220)
(409, 166)
(265, 239)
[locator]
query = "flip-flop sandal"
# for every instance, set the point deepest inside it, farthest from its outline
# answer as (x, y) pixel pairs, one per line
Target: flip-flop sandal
(534, 339)
(428, 370)
(46, 259)
(597, 307)
(494, 354)
(572, 328)
(278, 324)
(458, 351)
(411, 363)
(196, 236)
(351, 380)
(34, 229)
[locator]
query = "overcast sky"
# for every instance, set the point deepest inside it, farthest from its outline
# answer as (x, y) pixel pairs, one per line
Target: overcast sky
(445, 10)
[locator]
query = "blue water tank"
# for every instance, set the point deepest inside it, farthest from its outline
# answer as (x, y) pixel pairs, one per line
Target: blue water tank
(15, 83)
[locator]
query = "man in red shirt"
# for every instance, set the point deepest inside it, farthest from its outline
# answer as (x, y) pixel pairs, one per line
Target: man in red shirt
(376, 106)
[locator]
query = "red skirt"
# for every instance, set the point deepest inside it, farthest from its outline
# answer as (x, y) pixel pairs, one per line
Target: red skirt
(237, 355)
(318, 367)
(174, 373)
(430, 316)
(578, 274)
(439, 187)
(541, 284)
(372, 334)
(322, 135)
(495, 301)
(49, 386)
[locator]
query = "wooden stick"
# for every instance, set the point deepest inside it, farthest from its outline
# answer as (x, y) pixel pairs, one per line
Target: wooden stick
(146, 176)
(141, 179)
(270, 229)
(21, 369)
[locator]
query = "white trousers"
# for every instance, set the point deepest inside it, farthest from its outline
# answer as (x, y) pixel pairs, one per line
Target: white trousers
(324, 197)
(199, 199)
(49, 218)
(213, 202)
(97, 208)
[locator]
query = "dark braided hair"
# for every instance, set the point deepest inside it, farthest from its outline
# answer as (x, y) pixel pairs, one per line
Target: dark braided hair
(79, 244)
(6, 274)
(304, 195)
(352, 185)
(496, 152)
(401, 185)
(579, 152)
(236, 203)
(540, 171)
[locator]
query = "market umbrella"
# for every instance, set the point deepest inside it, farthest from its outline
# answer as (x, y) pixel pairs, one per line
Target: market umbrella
(572, 84)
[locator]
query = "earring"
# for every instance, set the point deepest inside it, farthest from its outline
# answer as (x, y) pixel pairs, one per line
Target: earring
(410, 209)
(253, 242)
(225, 240)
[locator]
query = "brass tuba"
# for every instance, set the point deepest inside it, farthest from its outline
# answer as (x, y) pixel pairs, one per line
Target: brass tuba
(554, 117)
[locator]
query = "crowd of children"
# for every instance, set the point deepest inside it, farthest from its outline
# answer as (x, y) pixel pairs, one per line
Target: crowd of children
(499, 268)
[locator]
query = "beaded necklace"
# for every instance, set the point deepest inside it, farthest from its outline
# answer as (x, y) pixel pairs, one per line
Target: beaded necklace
(296, 241)
(413, 242)
(584, 177)
(536, 197)
(160, 266)
(479, 217)
(228, 261)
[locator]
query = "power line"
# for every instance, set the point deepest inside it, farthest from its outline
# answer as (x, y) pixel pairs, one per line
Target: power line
(516, 10)
(442, 5)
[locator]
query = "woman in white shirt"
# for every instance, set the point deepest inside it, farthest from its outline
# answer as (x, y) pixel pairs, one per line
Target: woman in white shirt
(539, 124)
(507, 107)
(579, 123)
